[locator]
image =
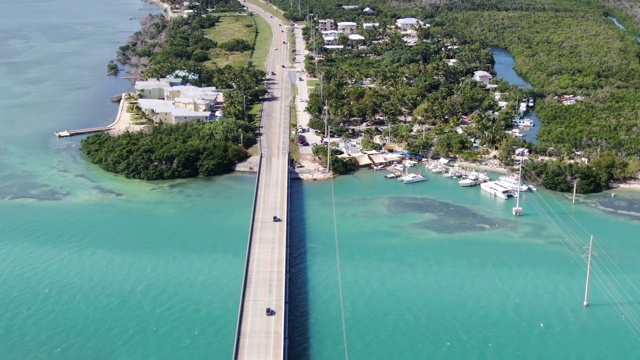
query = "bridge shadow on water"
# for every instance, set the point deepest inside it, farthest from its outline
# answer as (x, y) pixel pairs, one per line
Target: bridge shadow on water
(298, 320)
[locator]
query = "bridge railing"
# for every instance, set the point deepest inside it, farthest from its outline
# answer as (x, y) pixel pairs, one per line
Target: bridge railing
(236, 346)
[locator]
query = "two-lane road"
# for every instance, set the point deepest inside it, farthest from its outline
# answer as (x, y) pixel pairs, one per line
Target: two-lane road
(261, 334)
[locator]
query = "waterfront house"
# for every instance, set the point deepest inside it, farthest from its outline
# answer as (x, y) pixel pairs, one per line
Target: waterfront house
(166, 100)
(482, 76)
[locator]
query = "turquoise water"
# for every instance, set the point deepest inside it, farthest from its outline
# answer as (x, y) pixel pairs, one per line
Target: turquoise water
(94, 266)
(433, 270)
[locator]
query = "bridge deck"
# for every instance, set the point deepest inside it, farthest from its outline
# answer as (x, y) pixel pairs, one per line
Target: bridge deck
(262, 335)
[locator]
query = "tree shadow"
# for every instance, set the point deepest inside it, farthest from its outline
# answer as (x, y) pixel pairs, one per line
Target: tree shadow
(298, 319)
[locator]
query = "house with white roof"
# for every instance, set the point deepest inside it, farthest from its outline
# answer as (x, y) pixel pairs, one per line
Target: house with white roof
(482, 76)
(347, 27)
(370, 26)
(154, 88)
(168, 101)
(409, 23)
(356, 37)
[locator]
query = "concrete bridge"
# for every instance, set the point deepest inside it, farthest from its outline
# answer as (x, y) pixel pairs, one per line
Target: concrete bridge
(262, 321)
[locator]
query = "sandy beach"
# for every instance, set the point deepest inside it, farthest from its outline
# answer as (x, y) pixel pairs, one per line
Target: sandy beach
(167, 8)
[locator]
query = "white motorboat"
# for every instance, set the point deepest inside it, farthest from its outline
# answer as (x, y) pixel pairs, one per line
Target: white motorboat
(399, 167)
(377, 167)
(447, 174)
(497, 189)
(472, 180)
(437, 169)
(530, 102)
(513, 183)
(392, 176)
(525, 122)
(413, 178)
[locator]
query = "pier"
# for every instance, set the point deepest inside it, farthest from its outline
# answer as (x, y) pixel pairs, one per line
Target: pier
(261, 331)
(68, 133)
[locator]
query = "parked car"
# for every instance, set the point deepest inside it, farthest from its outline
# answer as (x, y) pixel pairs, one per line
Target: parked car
(273, 73)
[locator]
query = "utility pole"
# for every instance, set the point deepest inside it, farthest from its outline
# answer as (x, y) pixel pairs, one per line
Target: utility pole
(586, 290)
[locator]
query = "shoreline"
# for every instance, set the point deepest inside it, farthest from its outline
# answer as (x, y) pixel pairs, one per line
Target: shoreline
(629, 185)
(167, 8)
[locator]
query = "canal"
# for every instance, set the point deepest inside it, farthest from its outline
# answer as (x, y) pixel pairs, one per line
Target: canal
(504, 63)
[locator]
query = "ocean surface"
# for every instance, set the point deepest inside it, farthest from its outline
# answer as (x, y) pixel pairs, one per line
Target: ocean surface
(95, 266)
(92, 265)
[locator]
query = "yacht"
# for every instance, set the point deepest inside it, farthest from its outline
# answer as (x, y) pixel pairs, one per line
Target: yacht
(413, 178)
(522, 122)
(472, 179)
(495, 188)
(513, 183)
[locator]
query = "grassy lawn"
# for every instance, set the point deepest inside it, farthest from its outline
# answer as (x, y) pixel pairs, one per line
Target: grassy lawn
(270, 9)
(231, 27)
(263, 43)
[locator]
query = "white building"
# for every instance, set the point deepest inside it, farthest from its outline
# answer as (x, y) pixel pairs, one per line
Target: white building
(410, 23)
(168, 101)
(370, 26)
(356, 37)
(482, 76)
(347, 27)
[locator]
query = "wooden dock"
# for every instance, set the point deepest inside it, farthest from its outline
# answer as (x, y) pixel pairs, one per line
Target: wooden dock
(68, 133)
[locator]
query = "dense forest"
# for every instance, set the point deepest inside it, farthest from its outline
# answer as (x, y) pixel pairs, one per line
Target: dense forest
(171, 151)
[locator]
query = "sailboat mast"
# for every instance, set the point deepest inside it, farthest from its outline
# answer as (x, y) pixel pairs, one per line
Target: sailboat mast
(586, 290)
(329, 151)
(517, 211)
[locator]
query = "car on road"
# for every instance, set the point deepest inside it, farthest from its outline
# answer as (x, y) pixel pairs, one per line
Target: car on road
(282, 66)
(273, 73)
(304, 143)
(301, 79)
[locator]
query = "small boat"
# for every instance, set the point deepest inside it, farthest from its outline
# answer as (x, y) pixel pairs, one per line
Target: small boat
(377, 167)
(437, 169)
(399, 167)
(413, 178)
(392, 176)
(522, 122)
(472, 180)
(530, 102)
(447, 174)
